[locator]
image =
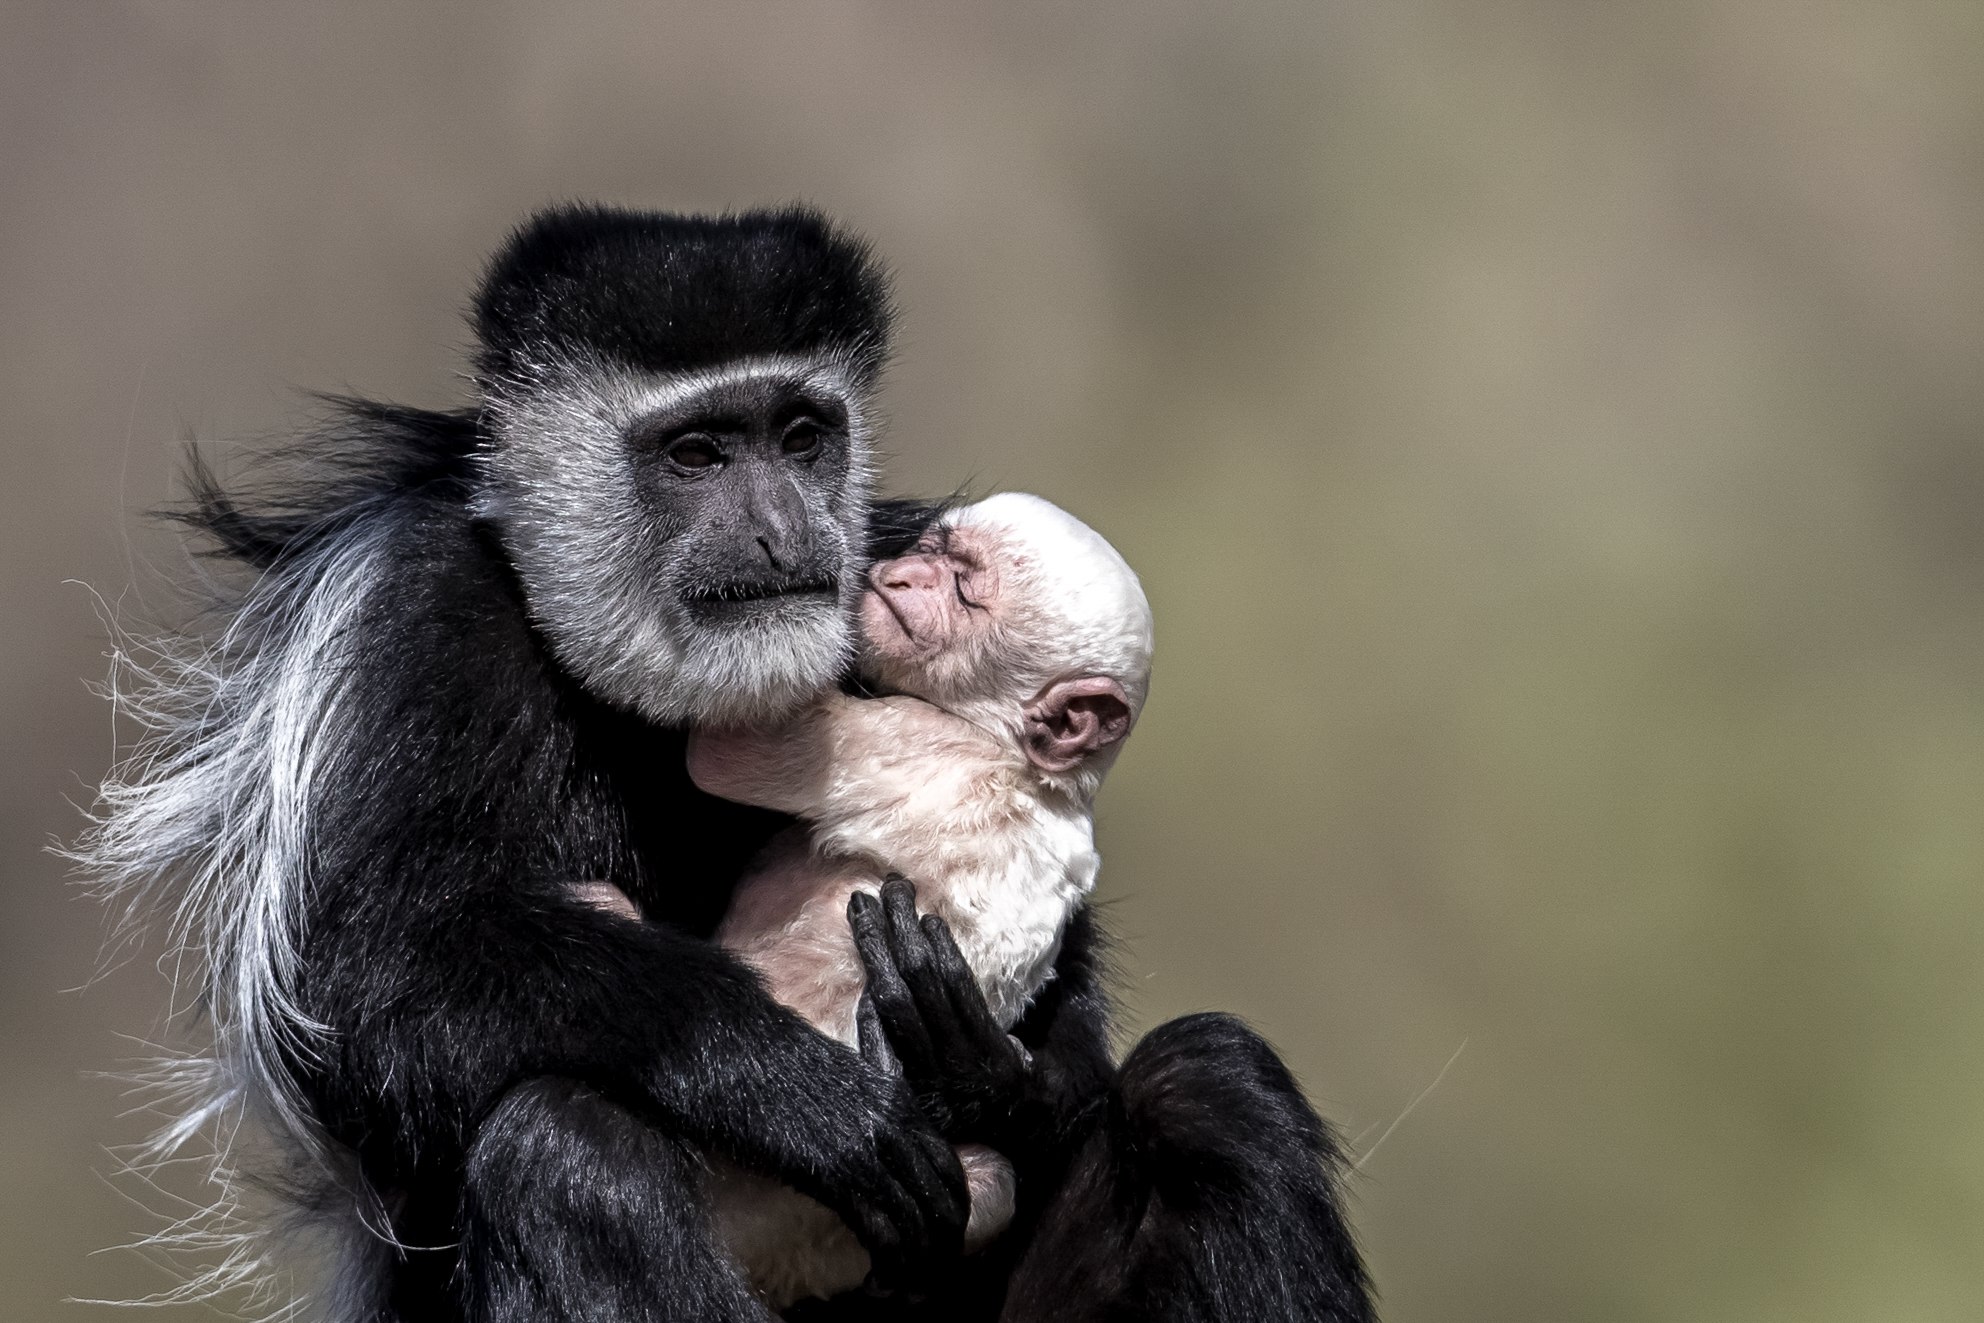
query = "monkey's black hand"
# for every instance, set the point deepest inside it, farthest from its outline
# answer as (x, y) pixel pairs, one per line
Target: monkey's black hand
(897, 1184)
(923, 1013)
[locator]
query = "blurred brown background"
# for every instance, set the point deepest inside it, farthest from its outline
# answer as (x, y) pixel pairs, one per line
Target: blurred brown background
(1549, 433)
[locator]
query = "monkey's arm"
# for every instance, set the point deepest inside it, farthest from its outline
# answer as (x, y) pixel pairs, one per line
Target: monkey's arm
(441, 948)
(525, 985)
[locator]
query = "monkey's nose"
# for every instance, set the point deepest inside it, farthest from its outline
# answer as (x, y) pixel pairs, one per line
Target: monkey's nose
(779, 553)
(907, 574)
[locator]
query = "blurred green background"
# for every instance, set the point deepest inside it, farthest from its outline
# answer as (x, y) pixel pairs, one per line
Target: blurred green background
(1549, 433)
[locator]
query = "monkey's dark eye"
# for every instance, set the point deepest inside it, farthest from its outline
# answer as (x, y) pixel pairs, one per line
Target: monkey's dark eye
(695, 452)
(802, 437)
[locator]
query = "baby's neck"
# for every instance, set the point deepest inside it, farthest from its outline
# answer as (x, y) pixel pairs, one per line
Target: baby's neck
(1003, 721)
(955, 806)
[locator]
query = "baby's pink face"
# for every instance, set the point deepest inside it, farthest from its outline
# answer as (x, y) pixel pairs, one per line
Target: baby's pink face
(928, 618)
(1019, 618)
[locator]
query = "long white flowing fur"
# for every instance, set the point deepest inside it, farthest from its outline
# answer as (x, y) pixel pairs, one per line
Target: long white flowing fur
(205, 830)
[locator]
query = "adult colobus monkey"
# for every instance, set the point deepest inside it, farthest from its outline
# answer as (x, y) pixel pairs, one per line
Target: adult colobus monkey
(455, 685)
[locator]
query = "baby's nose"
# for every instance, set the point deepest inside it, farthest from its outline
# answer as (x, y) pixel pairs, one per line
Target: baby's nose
(907, 574)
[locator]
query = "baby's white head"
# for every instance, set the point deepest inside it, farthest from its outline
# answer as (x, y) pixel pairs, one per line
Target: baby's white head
(1015, 615)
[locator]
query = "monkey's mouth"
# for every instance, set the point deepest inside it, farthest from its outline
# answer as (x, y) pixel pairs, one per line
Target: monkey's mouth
(732, 599)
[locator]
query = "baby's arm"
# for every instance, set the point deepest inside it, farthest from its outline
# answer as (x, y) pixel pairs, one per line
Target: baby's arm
(788, 767)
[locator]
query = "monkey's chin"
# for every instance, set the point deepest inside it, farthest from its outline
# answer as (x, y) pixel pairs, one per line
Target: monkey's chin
(752, 662)
(737, 662)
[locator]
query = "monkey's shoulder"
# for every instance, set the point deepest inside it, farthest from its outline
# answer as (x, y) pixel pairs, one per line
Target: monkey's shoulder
(444, 614)
(456, 713)
(333, 483)
(899, 749)
(472, 760)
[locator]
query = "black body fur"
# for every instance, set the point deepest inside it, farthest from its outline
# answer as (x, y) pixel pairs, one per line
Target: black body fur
(512, 1087)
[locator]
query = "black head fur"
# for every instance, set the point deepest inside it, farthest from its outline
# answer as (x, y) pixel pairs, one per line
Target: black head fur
(668, 293)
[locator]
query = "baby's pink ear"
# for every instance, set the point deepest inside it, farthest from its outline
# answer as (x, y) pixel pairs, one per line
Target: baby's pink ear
(1071, 719)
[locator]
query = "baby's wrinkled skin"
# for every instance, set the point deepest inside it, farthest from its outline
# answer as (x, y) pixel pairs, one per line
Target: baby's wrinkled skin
(1012, 652)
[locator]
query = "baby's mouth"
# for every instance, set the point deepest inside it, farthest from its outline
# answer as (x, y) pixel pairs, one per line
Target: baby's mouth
(902, 621)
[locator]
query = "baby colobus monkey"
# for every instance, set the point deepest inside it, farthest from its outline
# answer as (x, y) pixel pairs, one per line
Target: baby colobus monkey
(1012, 647)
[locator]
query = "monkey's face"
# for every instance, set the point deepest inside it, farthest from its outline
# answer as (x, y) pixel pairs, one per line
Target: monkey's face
(935, 623)
(690, 544)
(1003, 599)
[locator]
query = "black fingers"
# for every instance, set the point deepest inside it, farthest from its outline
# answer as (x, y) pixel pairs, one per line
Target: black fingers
(923, 999)
(916, 1226)
(894, 1004)
(949, 1193)
(908, 1204)
(873, 1039)
(955, 1015)
(917, 961)
(966, 998)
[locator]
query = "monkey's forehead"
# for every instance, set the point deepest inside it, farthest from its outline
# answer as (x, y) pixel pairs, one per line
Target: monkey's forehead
(670, 293)
(1035, 525)
(1071, 571)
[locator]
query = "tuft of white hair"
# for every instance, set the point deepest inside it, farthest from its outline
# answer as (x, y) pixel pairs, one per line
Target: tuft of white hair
(206, 829)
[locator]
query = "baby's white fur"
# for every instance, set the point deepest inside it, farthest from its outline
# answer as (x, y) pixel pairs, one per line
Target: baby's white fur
(1002, 856)
(1002, 851)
